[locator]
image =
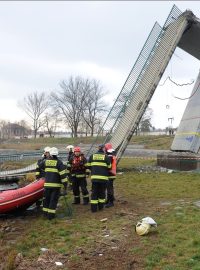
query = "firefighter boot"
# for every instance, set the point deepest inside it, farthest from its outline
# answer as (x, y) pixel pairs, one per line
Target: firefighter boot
(110, 200)
(38, 204)
(109, 204)
(101, 206)
(76, 200)
(85, 200)
(94, 207)
(51, 216)
(45, 214)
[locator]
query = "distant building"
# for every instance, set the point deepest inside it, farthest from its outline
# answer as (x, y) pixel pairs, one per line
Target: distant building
(12, 130)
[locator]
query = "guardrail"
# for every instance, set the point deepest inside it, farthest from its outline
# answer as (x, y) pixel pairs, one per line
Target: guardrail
(27, 155)
(18, 172)
(23, 156)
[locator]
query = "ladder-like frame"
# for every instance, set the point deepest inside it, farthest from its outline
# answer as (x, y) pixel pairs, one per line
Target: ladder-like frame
(138, 89)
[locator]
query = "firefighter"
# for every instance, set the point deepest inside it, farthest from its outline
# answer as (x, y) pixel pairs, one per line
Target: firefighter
(70, 153)
(78, 171)
(39, 173)
(112, 176)
(55, 178)
(99, 165)
(70, 149)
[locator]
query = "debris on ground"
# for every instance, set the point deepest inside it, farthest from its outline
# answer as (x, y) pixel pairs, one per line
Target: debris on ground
(103, 219)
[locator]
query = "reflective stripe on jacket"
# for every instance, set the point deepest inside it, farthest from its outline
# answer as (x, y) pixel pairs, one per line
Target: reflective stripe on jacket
(99, 165)
(55, 173)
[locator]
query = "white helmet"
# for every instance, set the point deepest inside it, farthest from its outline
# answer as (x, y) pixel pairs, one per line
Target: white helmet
(142, 228)
(110, 150)
(53, 151)
(47, 149)
(70, 147)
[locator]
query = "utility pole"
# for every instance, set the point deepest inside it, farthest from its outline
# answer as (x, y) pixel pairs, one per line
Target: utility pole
(171, 118)
(171, 131)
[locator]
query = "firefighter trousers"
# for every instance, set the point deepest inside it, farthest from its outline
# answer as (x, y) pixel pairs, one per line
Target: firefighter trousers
(110, 191)
(77, 183)
(51, 196)
(98, 195)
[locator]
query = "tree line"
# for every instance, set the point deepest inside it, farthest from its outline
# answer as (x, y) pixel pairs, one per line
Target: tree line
(78, 104)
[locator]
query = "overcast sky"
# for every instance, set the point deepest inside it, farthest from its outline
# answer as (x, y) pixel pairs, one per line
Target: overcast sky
(44, 42)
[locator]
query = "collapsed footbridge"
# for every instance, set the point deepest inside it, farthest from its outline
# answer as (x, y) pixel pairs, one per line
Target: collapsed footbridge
(181, 29)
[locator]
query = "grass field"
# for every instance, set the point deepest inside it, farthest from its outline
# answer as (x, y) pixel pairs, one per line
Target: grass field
(83, 241)
(153, 142)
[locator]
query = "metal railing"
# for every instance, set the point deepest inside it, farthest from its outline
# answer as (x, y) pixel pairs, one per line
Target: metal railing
(141, 83)
(26, 155)
(21, 157)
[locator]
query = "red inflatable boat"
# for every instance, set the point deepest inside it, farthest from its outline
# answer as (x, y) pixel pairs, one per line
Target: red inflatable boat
(21, 198)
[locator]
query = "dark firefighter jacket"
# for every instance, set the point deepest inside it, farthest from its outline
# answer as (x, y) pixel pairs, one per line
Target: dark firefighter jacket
(55, 173)
(39, 172)
(77, 166)
(70, 155)
(99, 165)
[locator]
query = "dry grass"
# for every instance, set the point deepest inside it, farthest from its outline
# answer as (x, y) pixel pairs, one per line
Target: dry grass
(168, 198)
(153, 142)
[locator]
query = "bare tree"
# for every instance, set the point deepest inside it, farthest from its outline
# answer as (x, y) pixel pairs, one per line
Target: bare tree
(145, 122)
(70, 101)
(84, 128)
(3, 132)
(51, 121)
(94, 107)
(34, 106)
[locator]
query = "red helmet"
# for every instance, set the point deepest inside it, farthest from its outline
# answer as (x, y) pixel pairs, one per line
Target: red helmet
(77, 149)
(108, 146)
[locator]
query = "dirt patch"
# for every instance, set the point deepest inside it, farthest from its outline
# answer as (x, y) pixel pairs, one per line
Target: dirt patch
(49, 259)
(107, 250)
